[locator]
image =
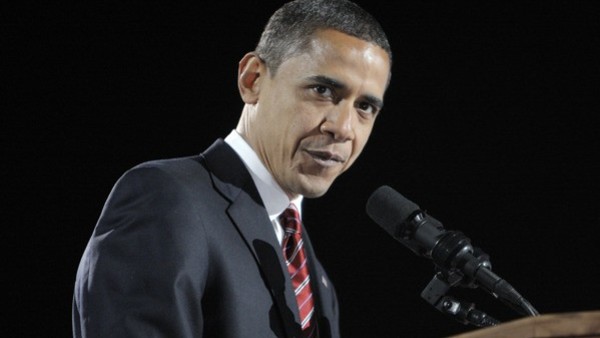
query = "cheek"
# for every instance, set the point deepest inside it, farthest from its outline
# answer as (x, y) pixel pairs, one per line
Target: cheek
(290, 132)
(303, 121)
(362, 135)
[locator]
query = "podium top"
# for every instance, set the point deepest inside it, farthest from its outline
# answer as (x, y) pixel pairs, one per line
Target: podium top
(569, 324)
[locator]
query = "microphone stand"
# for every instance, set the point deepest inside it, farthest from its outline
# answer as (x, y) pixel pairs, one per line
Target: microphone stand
(465, 313)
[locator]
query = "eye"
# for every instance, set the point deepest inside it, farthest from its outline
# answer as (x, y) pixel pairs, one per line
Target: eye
(323, 90)
(368, 108)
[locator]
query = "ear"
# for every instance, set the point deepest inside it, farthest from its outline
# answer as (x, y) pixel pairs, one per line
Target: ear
(250, 70)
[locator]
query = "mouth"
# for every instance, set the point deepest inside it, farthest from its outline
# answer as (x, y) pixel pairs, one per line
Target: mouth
(325, 158)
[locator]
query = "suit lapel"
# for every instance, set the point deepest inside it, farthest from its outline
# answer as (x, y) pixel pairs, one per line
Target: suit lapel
(247, 213)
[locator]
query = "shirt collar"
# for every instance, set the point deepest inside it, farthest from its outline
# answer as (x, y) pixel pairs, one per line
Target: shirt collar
(273, 197)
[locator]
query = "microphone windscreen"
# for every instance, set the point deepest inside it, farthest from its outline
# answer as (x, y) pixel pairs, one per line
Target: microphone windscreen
(389, 208)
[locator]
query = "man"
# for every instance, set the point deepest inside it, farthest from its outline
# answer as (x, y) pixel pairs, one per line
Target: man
(198, 246)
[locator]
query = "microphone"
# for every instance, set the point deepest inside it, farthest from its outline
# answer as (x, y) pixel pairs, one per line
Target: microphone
(450, 251)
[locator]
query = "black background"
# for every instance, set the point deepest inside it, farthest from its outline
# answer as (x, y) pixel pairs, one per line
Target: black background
(490, 124)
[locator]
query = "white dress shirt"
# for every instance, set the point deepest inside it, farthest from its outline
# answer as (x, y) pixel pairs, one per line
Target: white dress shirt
(273, 197)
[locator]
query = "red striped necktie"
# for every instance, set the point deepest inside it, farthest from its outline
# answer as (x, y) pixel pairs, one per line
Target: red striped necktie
(295, 256)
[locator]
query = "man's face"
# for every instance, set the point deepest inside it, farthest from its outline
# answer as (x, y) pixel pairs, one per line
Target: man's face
(312, 118)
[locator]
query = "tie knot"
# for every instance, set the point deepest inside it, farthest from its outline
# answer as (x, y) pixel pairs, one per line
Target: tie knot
(290, 219)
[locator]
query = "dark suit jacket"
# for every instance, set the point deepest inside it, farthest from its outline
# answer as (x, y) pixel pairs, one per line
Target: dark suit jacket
(184, 248)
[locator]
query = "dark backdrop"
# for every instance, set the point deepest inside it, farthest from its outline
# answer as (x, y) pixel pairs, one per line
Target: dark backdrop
(490, 124)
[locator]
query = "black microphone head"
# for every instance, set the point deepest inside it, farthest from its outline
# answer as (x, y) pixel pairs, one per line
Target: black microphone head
(390, 209)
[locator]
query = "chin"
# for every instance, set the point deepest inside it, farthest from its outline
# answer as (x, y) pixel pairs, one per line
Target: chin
(314, 194)
(314, 190)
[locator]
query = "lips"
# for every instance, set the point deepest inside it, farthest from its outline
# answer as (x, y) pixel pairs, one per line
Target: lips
(325, 158)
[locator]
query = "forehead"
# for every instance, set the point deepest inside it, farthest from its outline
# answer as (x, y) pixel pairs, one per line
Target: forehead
(343, 57)
(333, 41)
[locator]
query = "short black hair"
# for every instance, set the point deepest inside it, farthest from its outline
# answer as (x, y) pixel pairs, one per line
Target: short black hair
(290, 29)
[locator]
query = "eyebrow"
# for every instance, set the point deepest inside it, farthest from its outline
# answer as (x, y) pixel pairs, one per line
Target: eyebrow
(326, 80)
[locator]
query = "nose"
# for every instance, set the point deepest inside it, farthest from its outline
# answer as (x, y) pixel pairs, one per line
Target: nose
(339, 122)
